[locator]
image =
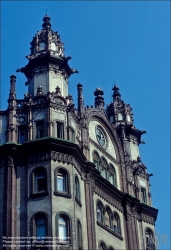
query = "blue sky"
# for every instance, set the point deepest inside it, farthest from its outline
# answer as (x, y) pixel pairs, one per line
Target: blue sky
(127, 42)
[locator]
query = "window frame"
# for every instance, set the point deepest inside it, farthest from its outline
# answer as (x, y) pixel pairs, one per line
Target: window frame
(99, 205)
(112, 171)
(102, 246)
(67, 192)
(149, 232)
(72, 135)
(38, 123)
(34, 192)
(68, 227)
(58, 130)
(105, 167)
(22, 128)
(96, 161)
(33, 228)
(143, 195)
(77, 191)
(117, 218)
(79, 235)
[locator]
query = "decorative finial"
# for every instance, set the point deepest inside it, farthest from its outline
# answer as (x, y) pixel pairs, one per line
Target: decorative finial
(80, 98)
(12, 94)
(46, 23)
(99, 100)
(116, 93)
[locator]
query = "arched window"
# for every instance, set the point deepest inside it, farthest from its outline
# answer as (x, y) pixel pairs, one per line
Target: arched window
(42, 46)
(116, 224)
(108, 218)
(103, 168)
(128, 118)
(53, 46)
(63, 228)
(120, 117)
(79, 235)
(100, 212)
(102, 246)
(96, 159)
(77, 189)
(39, 182)
(150, 244)
(39, 226)
(112, 175)
(111, 248)
(62, 181)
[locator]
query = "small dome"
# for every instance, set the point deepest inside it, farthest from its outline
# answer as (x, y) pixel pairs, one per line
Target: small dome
(46, 40)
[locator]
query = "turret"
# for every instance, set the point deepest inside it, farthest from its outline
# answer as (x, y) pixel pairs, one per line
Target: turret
(120, 114)
(47, 64)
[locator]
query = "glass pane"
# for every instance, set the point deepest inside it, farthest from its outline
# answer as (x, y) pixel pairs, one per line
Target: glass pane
(120, 116)
(111, 178)
(62, 228)
(40, 182)
(41, 46)
(60, 183)
(40, 227)
(103, 172)
(21, 135)
(53, 46)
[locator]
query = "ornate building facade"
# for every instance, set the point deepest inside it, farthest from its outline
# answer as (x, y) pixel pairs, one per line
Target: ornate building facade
(70, 178)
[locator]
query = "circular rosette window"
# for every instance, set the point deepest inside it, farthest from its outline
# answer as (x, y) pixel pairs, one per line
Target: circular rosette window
(101, 136)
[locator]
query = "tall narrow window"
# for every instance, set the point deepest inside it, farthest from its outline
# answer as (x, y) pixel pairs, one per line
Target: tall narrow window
(39, 129)
(143, 195)
(40, 227)
(103, 168)
(96, 160)
(112, 175)
(60, 130)
(120, 117)
(99, 212)
(116, 224)
(53, 46)
(150, 244)
(21, 134)
(77, 188)
(62, 181)
(72, 135)
(42, 46)
(79, 235)
(107, 219)
(62, 222)
(40, 182)
(63, 229)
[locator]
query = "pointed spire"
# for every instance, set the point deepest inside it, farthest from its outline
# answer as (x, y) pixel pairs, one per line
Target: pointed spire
(80, 98)
(116, 94)
(12, 94)
(99, 100)
(46, 23)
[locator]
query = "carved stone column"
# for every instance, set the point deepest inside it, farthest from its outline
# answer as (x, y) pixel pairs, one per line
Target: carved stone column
(89, 186)
(10, 197)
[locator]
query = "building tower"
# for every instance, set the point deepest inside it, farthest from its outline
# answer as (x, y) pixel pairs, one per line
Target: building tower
(70, 178)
